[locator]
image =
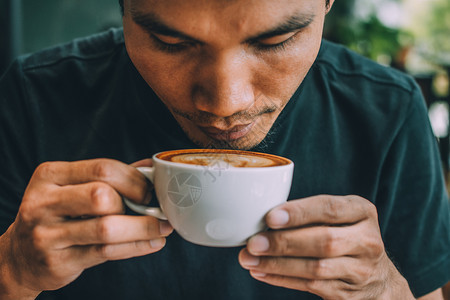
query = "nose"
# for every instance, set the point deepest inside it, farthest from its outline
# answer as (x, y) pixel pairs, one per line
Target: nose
(224, 84)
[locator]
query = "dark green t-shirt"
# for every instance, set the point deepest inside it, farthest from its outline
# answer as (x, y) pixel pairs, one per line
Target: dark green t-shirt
(352, 127)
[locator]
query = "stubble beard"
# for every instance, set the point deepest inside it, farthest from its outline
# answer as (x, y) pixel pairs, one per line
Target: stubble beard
(259, 138)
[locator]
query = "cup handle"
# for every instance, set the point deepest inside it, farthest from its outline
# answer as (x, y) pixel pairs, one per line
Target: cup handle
(142, 209)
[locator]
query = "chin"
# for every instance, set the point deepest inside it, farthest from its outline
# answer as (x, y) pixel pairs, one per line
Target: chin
(251, 140)
(244, 143)
(239, 144)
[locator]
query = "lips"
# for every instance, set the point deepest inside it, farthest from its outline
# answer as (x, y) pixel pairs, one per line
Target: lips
(233, 133)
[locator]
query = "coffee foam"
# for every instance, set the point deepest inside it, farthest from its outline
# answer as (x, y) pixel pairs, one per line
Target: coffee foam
(224, 160)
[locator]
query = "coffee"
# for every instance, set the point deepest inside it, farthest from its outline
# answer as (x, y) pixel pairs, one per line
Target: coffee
(223, 158)
(214, 197)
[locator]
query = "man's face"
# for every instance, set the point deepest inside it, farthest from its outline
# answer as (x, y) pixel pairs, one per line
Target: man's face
(224, 68)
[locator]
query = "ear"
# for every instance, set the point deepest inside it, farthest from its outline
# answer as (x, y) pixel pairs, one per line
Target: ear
(329, 5)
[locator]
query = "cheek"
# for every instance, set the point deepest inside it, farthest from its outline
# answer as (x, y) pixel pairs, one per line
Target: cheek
(171, 84)
(168, 79)
(283, 75)
(282, 79)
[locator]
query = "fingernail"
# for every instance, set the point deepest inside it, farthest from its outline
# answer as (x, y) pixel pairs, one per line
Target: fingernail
(165, 228)
(258, 244)
(257, 274)
(278, 218)
(157, 243)
(250, 261)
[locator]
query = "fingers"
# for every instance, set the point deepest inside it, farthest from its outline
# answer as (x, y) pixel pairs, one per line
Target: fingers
(321, 209)
(87, 199)
(114, 238)
(325, 289)
(329, 278)
(125, 179)
(116, 229)
(318, 241)
(69, 263)
(147, 162)
(88, 256)
(85, 188)
(71, 217)
(330, 246)
(343, 268)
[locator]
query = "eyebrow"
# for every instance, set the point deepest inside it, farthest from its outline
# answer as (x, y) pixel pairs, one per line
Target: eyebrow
(294, 23)
(153, 24)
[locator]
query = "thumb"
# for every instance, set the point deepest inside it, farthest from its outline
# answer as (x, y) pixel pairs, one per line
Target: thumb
(147, 162)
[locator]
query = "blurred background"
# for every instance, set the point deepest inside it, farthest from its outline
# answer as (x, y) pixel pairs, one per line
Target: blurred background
(410, 35)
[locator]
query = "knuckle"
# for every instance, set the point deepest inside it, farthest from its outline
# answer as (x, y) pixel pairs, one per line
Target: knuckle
(102, 169)
(371, 210)
(333, 207)
(105, 251)
(330, 243)
(374, 247)
(313, 286)
(39, 236)
(299, 214)
(44, 170)
(367, 208)
(362, 274)
(273, 264)
(52, 262)
(104, 230)
(280, 243)
(101, 194)
(27, 210)
(319, 268)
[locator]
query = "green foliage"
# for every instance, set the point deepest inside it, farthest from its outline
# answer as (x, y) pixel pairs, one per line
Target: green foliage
(430, 33)
(367, 36)
(437, 31)
(372, 39)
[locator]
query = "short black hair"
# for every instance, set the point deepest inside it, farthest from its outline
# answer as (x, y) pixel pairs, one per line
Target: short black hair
(121, 4)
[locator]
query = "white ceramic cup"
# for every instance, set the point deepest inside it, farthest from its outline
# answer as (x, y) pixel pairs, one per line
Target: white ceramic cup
(216, 204)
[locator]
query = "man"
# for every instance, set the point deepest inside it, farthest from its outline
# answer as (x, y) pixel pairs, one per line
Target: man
(368, 215)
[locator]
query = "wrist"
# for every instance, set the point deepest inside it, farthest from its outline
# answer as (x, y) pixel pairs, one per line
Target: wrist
(396, 285)
(10, 286)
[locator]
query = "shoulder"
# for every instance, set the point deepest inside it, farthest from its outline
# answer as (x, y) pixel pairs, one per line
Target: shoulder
(341, 63)
(75, 77)
(84, 68)
(362, 98)
(89, 48)
(356, 83)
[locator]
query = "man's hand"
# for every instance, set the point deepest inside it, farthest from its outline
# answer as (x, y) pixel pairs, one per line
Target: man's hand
(71, 218)
(330, 246)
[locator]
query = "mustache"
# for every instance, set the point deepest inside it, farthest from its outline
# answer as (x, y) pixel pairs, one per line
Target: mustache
(203, 117)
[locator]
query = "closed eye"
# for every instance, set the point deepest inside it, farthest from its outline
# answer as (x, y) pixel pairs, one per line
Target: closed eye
(275, 43)
(169, 43)
(275, 40)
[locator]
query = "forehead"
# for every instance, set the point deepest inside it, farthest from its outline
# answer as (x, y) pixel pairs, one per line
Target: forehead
(206, 17)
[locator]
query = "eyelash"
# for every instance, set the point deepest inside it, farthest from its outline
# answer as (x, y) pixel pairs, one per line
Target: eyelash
(175, 48)
(169, 48)
(275, 47)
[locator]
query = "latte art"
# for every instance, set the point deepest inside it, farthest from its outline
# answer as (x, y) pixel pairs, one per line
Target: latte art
(224, 158)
